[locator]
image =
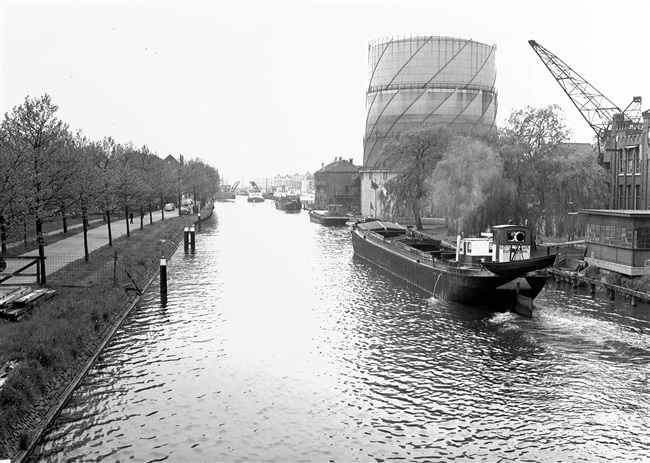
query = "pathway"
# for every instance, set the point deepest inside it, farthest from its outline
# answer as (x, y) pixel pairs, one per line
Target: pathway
(71, 248)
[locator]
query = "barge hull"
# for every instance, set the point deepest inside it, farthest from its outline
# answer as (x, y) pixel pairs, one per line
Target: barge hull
(482, 289)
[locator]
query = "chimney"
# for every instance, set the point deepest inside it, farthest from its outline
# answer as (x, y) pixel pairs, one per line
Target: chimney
(351, 161)
(322, 165)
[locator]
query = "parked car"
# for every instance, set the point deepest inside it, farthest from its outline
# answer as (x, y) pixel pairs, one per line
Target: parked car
(170, 207)
(186, 210)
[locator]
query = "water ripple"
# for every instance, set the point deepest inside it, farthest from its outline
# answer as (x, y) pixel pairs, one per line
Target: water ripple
(276, 343)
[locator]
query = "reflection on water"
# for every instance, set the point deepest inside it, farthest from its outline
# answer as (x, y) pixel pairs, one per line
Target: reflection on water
(277, 344)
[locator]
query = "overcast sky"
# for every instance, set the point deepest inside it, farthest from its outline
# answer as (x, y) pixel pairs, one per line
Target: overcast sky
(261, 88)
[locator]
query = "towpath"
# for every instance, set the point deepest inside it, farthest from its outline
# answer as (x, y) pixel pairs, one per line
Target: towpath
(71, 248)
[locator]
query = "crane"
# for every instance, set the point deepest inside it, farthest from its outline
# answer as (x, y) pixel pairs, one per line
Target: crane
(595, 107)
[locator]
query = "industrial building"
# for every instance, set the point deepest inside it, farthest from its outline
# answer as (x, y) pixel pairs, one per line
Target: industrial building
(421, 79)
(618, 239)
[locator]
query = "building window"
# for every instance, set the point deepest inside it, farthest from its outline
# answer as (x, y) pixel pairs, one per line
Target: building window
(628, 194)
(624, 237)
(621, 198)
(637, 161)
(637, 197)
(619, 156)
(642, 238)
(630, 161)
(593, 232)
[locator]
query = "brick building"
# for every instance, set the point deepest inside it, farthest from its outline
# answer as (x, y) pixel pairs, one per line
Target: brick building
(618, 239)
(337, 183)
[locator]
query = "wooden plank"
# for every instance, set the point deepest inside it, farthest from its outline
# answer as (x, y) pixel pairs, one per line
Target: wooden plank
(17, 313)
(8, 299)
(29, 297)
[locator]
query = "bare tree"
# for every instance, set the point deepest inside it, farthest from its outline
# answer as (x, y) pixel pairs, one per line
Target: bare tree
(34, 131)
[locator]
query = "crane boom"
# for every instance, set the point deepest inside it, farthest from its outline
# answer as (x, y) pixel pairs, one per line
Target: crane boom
(596, 108)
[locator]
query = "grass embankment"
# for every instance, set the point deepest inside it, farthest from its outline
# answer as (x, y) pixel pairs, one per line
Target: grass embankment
(56, 339)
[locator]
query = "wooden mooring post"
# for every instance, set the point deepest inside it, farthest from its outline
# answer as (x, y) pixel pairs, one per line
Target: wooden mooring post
(562, 276)
(186, 238)
(163, 275)
(192, 239)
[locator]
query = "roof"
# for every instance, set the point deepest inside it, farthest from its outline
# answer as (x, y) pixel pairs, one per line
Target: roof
(617, 212)
(339, 165)
(376, 225)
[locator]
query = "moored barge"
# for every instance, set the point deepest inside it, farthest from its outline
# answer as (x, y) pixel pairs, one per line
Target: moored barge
(494, 271)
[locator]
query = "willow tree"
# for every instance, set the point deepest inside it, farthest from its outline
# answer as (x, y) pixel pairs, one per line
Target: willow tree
(578, 182)
(468, 187)
(414, 156)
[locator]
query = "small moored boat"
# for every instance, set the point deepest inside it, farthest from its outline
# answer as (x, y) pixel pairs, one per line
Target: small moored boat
(334, 215)
(255, 194)
(289, 203)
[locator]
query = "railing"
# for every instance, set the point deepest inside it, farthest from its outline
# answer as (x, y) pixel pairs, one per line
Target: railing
(425, 258)
(10, 268)
(435, 86)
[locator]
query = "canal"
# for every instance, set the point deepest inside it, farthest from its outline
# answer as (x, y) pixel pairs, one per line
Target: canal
(277, 344)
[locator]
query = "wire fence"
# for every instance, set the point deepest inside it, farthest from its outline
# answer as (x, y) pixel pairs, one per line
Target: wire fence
(72, 270)
(84, 273)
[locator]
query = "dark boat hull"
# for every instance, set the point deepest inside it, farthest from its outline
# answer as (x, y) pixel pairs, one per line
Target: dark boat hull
(288, 205)
(323, 219)
(517, 267)
(451, 283)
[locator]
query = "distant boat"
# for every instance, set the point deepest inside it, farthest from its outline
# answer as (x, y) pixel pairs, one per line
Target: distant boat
(255, 196)
(494, 271)
(289, 203)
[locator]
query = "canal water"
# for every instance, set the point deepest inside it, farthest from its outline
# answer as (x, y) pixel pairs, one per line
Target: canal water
(278, 344)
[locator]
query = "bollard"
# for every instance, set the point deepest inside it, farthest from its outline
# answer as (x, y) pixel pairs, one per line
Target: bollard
(163, 275)
(186, 236)
(633, 301)
(612, 294)
(192, 238)
(199, 221)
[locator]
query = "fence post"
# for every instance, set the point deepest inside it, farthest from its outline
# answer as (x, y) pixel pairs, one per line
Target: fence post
(115, 269)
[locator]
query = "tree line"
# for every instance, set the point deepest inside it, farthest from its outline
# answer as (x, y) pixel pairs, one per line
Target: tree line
(522, 172)
(48, 170)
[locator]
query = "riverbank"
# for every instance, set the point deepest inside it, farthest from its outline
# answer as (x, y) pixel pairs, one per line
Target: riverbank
(61, 337)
